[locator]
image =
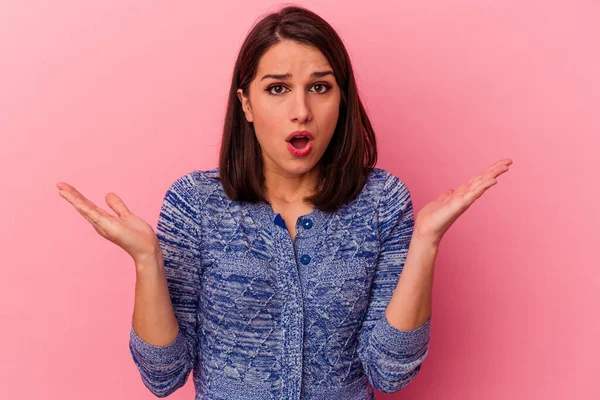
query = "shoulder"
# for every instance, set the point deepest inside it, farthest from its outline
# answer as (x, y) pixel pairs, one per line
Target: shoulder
(196, 185)
(197, 179)
(387, 188)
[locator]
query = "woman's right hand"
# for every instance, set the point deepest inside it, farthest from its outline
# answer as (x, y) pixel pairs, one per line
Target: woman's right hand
(126, 230)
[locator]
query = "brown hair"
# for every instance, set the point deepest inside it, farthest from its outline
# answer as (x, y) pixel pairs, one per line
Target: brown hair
(352, 151)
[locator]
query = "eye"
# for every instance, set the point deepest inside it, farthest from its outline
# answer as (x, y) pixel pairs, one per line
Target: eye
(324, 86)
(277, 92)
(321, 88)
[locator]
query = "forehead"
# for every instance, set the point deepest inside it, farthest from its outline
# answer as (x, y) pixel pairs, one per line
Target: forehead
(293, 57)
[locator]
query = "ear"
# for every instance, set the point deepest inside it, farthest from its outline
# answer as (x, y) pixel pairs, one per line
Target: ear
(245, 105)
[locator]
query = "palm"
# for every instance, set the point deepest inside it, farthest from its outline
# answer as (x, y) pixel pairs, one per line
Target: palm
(125, 229)
(436, 217)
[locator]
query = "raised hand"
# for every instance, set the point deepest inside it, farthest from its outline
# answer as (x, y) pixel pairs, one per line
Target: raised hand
(126, 230)
(436, 217)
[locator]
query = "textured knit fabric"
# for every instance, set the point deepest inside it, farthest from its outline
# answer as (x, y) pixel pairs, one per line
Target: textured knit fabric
(264, 317)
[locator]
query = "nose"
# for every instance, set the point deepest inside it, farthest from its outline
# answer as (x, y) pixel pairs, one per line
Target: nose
(300, 107)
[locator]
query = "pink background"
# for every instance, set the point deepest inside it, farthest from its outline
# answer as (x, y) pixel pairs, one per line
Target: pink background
(126, 96)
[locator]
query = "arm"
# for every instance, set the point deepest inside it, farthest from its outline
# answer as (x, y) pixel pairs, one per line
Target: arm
(391, 356)
(163, 340)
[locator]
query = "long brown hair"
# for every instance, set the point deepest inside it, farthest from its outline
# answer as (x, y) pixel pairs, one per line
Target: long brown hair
(352, 151)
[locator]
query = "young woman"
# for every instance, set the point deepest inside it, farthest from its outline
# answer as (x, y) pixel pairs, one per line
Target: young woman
(296, 269)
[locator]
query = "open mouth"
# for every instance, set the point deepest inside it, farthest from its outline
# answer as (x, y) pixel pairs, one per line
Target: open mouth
(299, 142)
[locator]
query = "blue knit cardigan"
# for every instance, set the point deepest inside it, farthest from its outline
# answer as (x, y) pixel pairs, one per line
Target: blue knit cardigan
(264, 317)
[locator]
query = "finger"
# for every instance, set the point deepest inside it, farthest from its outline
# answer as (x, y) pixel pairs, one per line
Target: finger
(79, 197)
(493, 173)
(477, 191)
(494, 170)
(480, 174)
(81, 206)
(85, 207)
(506, 162)
(80, 200)
(117, 205)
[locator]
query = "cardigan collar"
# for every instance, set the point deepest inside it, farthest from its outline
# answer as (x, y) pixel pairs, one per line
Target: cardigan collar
(309, 223)
(263, 213)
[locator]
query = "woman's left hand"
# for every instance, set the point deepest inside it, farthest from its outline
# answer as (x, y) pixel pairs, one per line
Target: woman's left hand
(436, 217)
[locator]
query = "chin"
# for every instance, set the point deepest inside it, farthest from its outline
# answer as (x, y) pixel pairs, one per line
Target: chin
(294, 166)
(299, 167)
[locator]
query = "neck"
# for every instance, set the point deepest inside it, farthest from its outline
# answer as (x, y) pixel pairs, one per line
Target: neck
(290, 189)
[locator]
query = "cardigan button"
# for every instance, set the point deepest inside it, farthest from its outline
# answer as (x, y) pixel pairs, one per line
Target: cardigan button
(307, 223)
(305, 259)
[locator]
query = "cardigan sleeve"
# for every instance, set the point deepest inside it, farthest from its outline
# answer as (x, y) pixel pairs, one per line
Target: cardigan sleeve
(164, 369)
(391, 357)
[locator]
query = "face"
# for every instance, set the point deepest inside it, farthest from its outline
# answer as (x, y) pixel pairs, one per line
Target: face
(306, 99)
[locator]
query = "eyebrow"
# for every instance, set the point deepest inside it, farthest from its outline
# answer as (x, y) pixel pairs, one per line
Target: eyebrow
(318, 74)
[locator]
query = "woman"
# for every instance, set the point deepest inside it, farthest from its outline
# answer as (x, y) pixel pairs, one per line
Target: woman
(274, 276)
